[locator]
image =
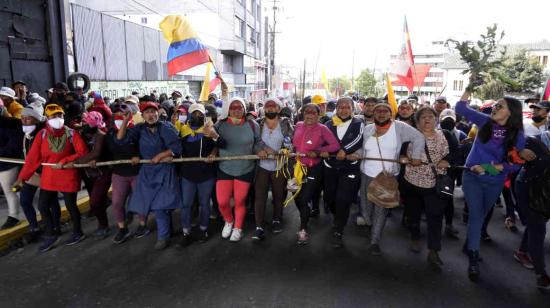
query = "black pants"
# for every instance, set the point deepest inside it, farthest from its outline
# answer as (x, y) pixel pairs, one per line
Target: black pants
(339, 191)
(312, 183)
(47, 204)
(535, 232)
(418, 200)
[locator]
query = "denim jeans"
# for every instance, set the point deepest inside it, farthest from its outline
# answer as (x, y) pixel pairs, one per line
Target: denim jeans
(204, 191)
(481, 193)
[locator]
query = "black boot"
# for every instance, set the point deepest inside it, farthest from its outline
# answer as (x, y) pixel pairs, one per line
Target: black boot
(473, 266)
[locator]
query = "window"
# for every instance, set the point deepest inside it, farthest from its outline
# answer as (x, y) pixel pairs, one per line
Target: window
(239, 24)
(250, 34)
(545, 60)
(435, 74)
(144, 20)
(455, 85)
(458, 85)
(461, 85)
(250, 5)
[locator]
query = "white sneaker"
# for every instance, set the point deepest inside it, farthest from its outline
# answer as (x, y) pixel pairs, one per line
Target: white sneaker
(236, 235)
(361, 221)
(227, 228)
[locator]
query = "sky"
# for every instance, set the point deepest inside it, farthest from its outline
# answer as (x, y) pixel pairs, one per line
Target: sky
(327, 32)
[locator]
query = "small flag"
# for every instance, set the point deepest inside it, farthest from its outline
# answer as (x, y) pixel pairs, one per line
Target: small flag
(546, 92)
(186, 49)
(391, 96)
(404, 68)
(211, 81)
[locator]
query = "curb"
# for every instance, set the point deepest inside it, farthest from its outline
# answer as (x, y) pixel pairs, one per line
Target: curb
(11, 237)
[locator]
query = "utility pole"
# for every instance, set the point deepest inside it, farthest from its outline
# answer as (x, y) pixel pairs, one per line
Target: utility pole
(304, 81)
(352, 68)
(273, 32)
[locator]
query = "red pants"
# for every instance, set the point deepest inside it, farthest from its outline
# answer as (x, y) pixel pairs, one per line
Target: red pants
(239, 190)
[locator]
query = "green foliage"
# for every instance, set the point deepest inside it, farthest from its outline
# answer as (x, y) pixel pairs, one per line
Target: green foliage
(481, 56)
(365, 84)
(339, 85)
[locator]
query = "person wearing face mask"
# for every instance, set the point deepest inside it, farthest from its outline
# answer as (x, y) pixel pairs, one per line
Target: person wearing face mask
(124, 176)
(499, 142)
(33, 121)
(56, 144)
(179, 118)
(235, 135)
(405, 113)
(325, 116)
(383, 139)
(197, 178)
(132, 102)
(10, 146)
(96, 180)
(157, 188)
(314, 140)
(539, 120)
(276, 133)
(342, 176)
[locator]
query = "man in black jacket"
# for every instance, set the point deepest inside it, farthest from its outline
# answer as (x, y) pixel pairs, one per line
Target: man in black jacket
(343, 176)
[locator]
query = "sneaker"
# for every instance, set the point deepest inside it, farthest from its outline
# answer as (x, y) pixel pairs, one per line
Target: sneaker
(102, 233)
(360, 221)
(303, 237)
(203, 236)
(374, 250)
(48, 244)
(451, 232)
(510, 225)
(276, 227)
(486, 237)
(227, 228)
(258, 234)
(141, 231)
(75, 239)
(121, 236)
(10, 223)
(337, 240)
(185, 240)
(523, 259)
(236, 235)
(161, 244)
(415, 246)
(543, 281)
(434, 259)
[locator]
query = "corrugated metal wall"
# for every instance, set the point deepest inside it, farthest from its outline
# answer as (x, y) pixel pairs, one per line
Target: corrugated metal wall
(108, 48)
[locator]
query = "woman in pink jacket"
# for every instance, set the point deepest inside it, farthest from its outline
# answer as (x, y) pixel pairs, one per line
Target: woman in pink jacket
(314, 140)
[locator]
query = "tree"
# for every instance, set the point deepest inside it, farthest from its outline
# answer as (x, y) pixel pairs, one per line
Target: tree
(365, 84)
(339, 85)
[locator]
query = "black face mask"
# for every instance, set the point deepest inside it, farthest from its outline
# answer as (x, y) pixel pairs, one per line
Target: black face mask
(447, 124)
(538, 119)
(271, 115)
(405, 118)
(384, 123)
(196, 121)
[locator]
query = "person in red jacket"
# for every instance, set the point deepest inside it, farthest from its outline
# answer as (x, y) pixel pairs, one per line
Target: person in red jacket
(59, 145)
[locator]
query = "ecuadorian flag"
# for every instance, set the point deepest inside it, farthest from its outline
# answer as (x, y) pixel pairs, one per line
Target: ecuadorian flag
(186, 49)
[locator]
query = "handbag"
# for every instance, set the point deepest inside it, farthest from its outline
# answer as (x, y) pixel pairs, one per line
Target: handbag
(383, 190)
(444, 184)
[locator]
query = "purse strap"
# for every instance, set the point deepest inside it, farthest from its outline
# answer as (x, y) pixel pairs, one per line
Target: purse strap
(430, 159)
(380, 152)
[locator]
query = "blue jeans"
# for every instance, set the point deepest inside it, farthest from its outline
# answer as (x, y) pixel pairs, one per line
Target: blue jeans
(481, 193)
(189, 190)
(163, 219)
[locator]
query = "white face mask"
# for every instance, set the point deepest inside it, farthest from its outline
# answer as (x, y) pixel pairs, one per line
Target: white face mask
(182, 118)
(28, 129)
(118, 123)
(56, 123)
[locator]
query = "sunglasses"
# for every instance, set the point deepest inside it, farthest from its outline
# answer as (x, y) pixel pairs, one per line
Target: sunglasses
(497, 106)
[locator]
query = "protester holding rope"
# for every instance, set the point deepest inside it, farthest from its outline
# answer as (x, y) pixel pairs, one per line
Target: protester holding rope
(276, 133)
(235, 135)
(124, 176)
(419, 183)
(493, 155)
(314, 140)
(157, 188)
(383, 140)
(342, 175)
(59, 145)
(197, 178)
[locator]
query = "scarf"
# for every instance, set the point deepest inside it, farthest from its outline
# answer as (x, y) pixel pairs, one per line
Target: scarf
(57, 138)
(336, 121)
(192, 133)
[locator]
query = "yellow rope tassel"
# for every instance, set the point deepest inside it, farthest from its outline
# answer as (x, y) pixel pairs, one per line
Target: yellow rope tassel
(300, 171)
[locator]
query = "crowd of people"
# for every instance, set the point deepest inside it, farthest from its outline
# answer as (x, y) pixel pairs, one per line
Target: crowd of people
(345, 152)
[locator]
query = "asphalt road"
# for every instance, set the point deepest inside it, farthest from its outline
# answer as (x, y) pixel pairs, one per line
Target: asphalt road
(272, 273)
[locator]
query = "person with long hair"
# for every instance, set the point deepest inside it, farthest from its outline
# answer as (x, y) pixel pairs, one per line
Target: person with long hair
(494, 154)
